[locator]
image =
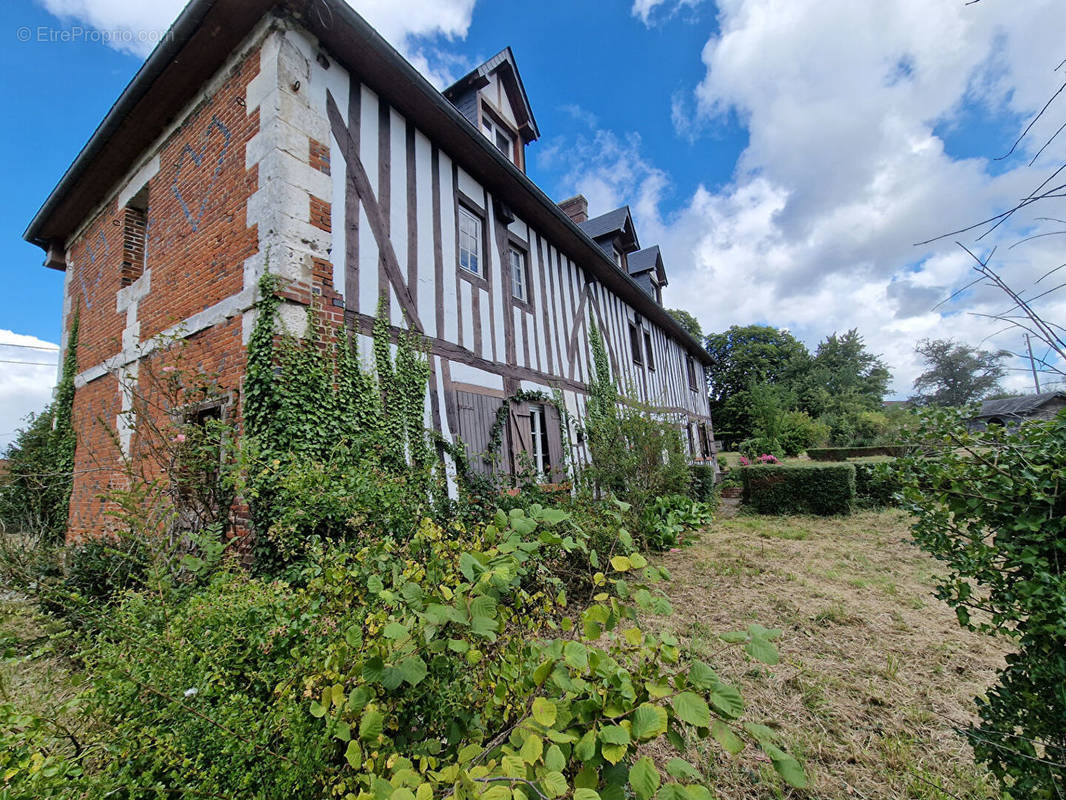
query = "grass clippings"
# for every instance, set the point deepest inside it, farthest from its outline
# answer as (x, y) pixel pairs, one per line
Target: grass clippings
(875, 673)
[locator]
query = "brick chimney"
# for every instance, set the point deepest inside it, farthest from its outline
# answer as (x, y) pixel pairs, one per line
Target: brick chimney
(577, 208)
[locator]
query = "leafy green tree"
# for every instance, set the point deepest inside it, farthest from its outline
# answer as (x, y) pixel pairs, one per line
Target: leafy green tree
(35, 495)
(989, 505)
(745, 356)
(688, 322)
(956, 374)
(844, 374)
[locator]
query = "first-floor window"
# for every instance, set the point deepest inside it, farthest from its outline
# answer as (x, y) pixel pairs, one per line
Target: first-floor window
(539, 428)
(470, 242)
(691, 443)
(690, 367)
(636, 344)
(647, 350)
(518, 274)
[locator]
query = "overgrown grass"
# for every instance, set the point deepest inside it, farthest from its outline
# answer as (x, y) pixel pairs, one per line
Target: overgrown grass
(875, 673)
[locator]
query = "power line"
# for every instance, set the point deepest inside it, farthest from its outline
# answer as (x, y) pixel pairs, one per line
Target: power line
(30, 347)
(31, 363)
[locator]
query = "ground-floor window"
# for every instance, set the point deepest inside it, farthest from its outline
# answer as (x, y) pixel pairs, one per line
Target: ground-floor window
(538, 420)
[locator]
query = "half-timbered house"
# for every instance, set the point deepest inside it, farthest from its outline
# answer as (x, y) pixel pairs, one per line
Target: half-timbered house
(288, 136)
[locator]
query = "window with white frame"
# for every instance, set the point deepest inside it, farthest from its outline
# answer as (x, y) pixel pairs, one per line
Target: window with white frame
(518, 274)
(470, 242)
(499, 136)
(538, 420)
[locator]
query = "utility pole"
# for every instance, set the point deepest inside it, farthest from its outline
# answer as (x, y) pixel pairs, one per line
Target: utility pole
(1032, 363)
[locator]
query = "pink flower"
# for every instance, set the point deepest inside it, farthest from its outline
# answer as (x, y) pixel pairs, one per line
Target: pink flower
(179, 438)
(170, 369)
(744, 461)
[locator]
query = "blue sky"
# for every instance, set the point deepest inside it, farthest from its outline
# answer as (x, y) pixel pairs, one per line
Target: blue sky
(786, 154)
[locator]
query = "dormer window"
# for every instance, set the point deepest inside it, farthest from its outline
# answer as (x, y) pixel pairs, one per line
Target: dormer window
(618, 258)
(499, 136)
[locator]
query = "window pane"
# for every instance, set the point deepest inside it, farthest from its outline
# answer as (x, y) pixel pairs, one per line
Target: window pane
(647, 351)
(518, 274)
(469, 241)
(503, 141)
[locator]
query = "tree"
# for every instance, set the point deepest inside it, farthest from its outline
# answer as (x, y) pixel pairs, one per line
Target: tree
(688, 322)
(745, 356)
(843, 376)
(956, 373)
(35, 495)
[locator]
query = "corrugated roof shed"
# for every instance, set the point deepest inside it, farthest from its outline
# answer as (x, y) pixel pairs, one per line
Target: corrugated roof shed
(1017, 406)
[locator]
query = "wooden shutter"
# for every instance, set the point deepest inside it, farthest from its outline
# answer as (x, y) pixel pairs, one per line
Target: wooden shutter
(477, 415)
(554, 422)
(520, 434)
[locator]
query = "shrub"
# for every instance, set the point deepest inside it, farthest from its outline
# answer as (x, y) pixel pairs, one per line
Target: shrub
(703, 482)
(760, 446)
(989, 504)
(397, 664)
(876, 485)
(99, 569)
(823, 489)
(670, 517)
(799, 431)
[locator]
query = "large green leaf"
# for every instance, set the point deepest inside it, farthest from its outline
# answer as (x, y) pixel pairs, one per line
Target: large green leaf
(644, 778)
(682, 770)
(762, 650)
(691, 708)
(544, 711)
(413, 670)
(586, 794)
(576, 655)
(727, 700)
(371, 725)
(787, 767)
(649, 721)
(554, 784)
(724, 735)
(614, 734)
(532, 748)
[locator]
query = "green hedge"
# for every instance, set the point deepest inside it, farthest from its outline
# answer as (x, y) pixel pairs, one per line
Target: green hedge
(844, 453)
(823, 489)
(876, 485)
(702, 486)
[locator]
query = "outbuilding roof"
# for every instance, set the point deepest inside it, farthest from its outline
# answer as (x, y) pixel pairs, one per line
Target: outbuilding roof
(1017, 406)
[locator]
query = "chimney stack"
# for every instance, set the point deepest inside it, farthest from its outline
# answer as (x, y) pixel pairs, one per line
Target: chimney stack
(577, 208)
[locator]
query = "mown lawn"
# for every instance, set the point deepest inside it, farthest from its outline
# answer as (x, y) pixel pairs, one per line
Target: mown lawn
(875, 672)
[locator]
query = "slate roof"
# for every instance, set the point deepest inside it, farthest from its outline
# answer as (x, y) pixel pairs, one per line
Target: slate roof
(1017, 406)
(478, 77)
(606, 224)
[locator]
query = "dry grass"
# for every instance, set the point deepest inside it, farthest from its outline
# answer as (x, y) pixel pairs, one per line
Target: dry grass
(875, 672)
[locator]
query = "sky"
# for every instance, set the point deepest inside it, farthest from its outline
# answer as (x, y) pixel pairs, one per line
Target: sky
(785, 154)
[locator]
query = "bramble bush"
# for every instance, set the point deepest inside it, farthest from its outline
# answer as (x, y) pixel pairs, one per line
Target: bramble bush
(990, 505)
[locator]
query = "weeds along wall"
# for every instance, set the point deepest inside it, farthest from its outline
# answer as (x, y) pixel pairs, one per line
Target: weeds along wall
(323, 429)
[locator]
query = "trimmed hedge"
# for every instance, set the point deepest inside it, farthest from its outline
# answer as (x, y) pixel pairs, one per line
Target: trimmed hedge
(702, 486)
(844, 453)
(875, 485)
(823, 489)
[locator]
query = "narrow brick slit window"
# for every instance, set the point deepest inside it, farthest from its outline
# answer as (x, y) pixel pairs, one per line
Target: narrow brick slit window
(135, 237)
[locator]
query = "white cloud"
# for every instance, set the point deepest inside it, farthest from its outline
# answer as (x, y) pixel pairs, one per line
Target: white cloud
(135, 27)
(844, 169)
(651, 11)
(24, 389)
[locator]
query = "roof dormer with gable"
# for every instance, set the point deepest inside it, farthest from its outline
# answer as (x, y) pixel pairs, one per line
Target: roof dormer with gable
(615, 233)
(493, 99)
